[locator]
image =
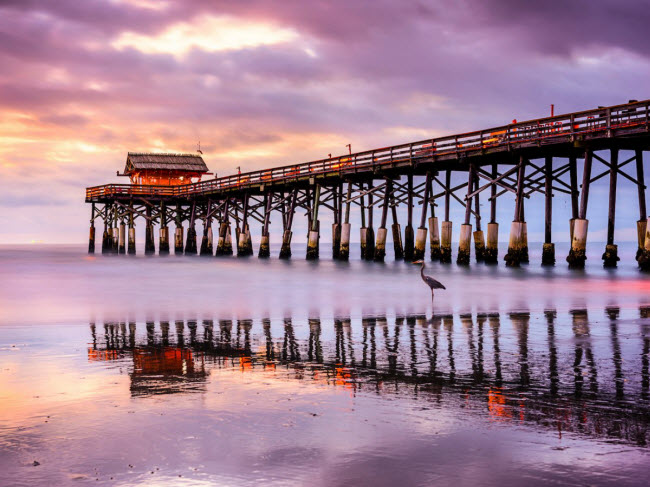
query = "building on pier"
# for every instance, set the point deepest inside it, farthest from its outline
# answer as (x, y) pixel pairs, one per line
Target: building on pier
(164, 169)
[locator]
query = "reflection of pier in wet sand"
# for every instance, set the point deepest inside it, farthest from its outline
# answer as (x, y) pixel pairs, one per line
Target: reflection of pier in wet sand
(565, 372)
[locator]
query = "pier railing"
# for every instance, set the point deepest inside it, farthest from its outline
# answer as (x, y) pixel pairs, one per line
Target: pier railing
(587, 124)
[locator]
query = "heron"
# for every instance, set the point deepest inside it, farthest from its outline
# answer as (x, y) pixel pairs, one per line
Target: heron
(429, 281)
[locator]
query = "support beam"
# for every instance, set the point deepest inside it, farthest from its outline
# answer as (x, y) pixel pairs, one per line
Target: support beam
(363, 230)
(409, 235)
(380, 247)
(121, 249)
(548, 250)
(575, 192)
(610, 256)
(434, 232)
(131, 243)
(163, 235)
(285, 250)
(445, 234)
(344, 248)
(398, 248)
(491, 254)
(479, 239)
(370, 231)
(421, 236)
(244, 247)
(178, 231)
(206, 240)
(517, 247)
(312, 241)
(149, 246)
(337, 191)
(641, 225)
(577, 255)
(190, 244)
(91, 235)
(265, 245)
(224, 242)
(465, 243)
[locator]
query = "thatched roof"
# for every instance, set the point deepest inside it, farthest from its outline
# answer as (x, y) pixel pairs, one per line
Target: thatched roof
(138, 161)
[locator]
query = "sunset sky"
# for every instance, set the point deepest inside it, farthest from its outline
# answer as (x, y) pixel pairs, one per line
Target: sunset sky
(264, 83)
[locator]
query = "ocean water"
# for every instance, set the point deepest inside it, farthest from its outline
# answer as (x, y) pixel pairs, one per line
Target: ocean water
(224, 371)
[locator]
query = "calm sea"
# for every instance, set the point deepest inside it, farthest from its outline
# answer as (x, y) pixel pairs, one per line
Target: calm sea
(226, 371)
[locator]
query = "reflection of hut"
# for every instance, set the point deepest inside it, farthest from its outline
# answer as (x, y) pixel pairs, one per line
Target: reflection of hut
(164, 169)
(167, 370)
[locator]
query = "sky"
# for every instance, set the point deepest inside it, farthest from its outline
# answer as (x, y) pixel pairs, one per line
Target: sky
(264, 83)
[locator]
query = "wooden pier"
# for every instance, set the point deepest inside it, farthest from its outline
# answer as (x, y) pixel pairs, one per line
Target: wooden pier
(531, 158)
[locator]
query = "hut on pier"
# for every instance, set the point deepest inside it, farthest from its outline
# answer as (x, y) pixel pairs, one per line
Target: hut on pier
(164, 169)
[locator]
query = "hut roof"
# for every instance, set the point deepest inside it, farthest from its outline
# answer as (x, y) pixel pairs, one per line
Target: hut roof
(138, 161)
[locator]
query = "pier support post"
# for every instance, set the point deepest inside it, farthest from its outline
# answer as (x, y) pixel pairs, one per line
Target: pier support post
(644, 258)
(190, 244)
(105, 234)
(518, 239)
(363, 230)
(265, 246)
(380, 247)
(91, 235)
(577, 255)
(285, 250)
(149, 245)
(207, 238)
(434, 238)
(641, 225)
(163, 240)
(115, 234)
(465, 243)
(610, 256)
(479, 238)
(244, 244)
(409, 236)
(178, 232)
(337, 192)
(122, 239)
(224, 242)
(131, 244)
(548, 250)
(344, 249)
(575, 193)
(445, 231)
(491, 254)
(312, 240)
(370, 232)
(421, 236)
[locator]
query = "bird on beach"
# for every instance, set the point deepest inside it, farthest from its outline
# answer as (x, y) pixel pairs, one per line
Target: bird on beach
(429, 281)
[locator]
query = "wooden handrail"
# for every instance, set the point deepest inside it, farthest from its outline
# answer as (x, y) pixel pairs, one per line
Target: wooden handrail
(599, 120)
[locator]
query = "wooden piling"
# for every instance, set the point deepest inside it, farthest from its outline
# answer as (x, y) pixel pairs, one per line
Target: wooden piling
(421, 236)
(610, 256)
(577, 255)
(344, 248)
(517, 242)
(285, 250)
(548, 250)
(312, 241)
(464, 245)
(244, 244)
(149, 245)
(370, 231)
(131, 243)
(491, 253)
(445, 233)
(121, 249)
(380, 247)
(163, 235)
(337, 191)
(91, 238)
(206, 239)
(178, 231)
(479, 238)
(398, 248)
(642, 222)
(265, 249)
(409, 236)
(363, 230)
(190, 243)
